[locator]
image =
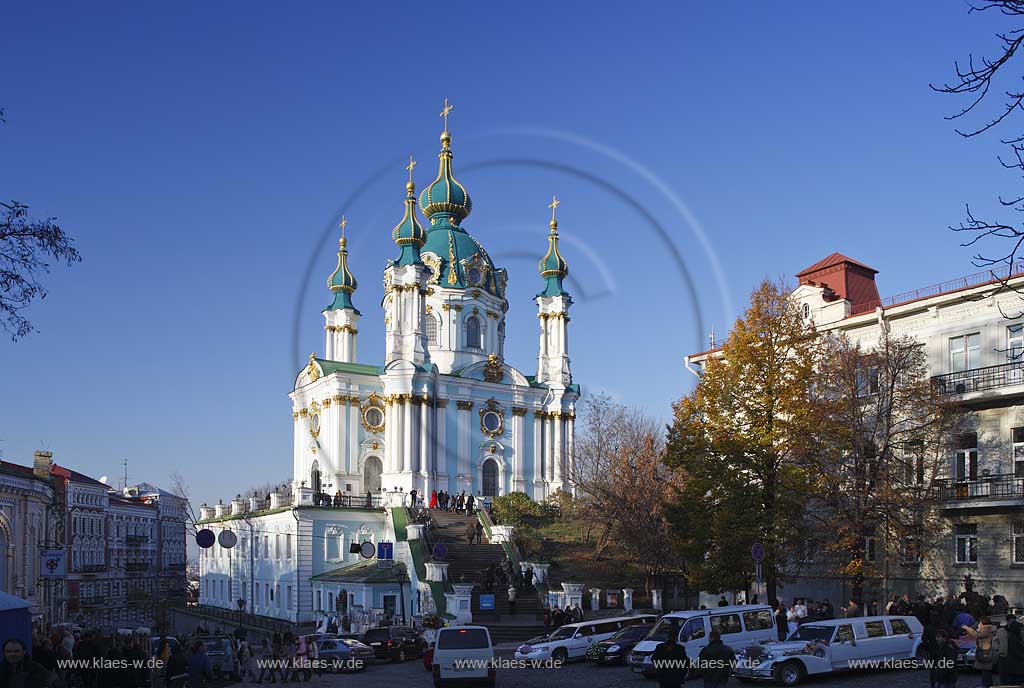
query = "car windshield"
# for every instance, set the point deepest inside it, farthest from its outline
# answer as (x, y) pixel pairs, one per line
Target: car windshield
(665, 629)
(374, 635)
(631, 633)
(562, 633)
(810, 632)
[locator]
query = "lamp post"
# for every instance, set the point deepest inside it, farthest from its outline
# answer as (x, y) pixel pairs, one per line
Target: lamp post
(402, 580)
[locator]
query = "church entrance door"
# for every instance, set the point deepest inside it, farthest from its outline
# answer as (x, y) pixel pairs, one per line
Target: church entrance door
(490, 478)
(372, 468)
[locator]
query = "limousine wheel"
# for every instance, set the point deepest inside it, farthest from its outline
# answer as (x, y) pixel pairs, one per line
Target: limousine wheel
(561, 655)
(789, 673)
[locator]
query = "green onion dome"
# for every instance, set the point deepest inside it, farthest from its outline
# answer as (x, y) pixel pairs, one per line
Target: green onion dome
(409, 233)
(445, 196)
(342, 282)
(552, 266)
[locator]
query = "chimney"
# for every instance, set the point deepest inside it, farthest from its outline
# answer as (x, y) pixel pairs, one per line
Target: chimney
(237, 505)
(254, 503)
(848, 279)
(42, 462)
(219, 509)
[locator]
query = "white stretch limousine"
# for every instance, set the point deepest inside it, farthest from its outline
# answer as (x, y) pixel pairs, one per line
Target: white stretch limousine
(573, 640)
(820, 647)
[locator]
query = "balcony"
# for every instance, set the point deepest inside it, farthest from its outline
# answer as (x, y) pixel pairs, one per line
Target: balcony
(988, 492)
(1003, 379)
(323, 500)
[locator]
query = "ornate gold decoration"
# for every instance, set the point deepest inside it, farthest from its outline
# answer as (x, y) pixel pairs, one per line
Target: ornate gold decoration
(374, 445)
(354, 400)
(493, 448)
(554, 205)
(463, 405)
(429, 309)
(327, 402)
(446, 307)
(476, 311)
(453, 278)
(433, 262)
(476, 295)
(295, 415)
(456, 307)
(493, 372)
(519, 410)
(441, 403)
(373, 401)
(492, 409)
(338, 399)
(313, 370)
(303, 411)
(314, 419)
(410, 166)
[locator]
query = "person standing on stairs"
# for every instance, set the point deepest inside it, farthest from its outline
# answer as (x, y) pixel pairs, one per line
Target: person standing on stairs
(512, 600)
(469, 505)
(470, 533)
(479, 529)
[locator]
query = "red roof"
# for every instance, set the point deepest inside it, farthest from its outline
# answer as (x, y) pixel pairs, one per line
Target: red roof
(834, 259)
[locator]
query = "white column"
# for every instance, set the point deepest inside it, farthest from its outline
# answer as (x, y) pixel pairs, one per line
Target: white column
(329, 348)
(464, 459)
(549, 448)
(402, 434)
(518, 416)
(391, 433)
(542, 349)
(352, 435)
(556, 425)
(412, 436)
(426, 468)
(538, 449)
(569, 452)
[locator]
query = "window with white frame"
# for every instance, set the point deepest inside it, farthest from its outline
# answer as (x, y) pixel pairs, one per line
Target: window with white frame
(913, 462)
(1018, 543)
(287, 546)
(1018, 452)
(474, 333)
(288, 599)
(333, 545)
(1015, 342)
(966, 457)
(965, 352)
(966, 543)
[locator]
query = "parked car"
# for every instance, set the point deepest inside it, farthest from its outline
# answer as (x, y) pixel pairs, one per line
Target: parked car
(221, 653)
(573, 640)
(395, 643)
(345, 655)
(823, 647)
(463, 654)
(614, 650)
(739, 625)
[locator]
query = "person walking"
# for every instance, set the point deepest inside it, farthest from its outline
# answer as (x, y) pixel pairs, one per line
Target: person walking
(479, 528)
(791, 620)
(1011, 669)
(469, 505)
(18, 669)
(716, 661)
(470, 533)
(852, 610)
(670, 663)
(512, 600)
(200, 669)
(433, 499)
(528, 576)
(983, 655)
(177, 668)
(780, 620)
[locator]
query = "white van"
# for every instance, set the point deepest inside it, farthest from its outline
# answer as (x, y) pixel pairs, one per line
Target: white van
(573, 640)
(739, 626)
(463, 654)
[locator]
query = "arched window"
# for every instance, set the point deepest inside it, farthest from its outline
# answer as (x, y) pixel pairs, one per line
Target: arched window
(432, 330)
(474, 334)
(314, 478)
(807, 310)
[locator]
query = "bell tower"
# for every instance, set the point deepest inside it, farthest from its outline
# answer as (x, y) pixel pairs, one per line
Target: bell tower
(341, 315)
(553, 312)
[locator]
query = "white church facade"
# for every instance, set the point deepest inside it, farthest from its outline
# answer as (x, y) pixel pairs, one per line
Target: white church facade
(442, 411)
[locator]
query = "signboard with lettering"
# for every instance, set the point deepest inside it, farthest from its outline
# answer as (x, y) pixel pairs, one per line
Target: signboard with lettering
(486, 602)
(52, 564)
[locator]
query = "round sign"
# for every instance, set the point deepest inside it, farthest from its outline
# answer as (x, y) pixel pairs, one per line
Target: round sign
(757, 551)
(367, 550)
(440, 551)
(227, 539)
(205, 538)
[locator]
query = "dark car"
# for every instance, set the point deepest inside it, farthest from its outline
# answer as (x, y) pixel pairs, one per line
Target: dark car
(396, 643)
(345, 655)
(615, 649)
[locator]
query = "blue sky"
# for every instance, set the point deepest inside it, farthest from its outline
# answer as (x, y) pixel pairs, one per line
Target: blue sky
(201, 157)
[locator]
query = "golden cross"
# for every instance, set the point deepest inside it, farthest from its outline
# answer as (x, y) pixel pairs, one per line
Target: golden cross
(344, 221)
(553, 205)
(444, 112)
(412, 164)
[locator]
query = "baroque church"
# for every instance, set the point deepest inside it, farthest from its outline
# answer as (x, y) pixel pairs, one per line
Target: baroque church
(444, 411)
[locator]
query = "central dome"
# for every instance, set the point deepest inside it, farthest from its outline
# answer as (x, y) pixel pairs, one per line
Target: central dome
(445, 196)
(458, 261)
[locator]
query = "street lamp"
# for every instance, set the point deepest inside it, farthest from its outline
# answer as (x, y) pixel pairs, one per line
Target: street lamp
(402, 580)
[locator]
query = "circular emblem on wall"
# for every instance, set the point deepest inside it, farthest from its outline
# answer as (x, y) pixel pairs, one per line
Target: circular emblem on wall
(367, 550)
(492, 419)
(205, 538)
(314, 419)
(227, 539)
(373, 414)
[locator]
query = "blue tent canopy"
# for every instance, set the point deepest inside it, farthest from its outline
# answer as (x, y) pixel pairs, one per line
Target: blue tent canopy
(15, 619)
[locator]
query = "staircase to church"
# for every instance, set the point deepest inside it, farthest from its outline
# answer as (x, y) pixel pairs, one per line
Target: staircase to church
(467, 564)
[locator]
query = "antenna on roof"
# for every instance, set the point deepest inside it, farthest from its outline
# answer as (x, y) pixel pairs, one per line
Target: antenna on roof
(125, 486)
(711, 337)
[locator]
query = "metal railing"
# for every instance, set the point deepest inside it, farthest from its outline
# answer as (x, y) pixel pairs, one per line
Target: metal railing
(980, 379)
(1000, 486)
(326, 501)
(996, 274)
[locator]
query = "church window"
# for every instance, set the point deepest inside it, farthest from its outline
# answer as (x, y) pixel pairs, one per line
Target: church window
(474, 333)
(807, 310)
(287, 546)
(431, 330)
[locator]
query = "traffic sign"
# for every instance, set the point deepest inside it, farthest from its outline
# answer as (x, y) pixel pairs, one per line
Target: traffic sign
(440, 551)
(205, 538)
(227, 539)
(51, 563)
(757, 552)
(367, 550)
(385, 550)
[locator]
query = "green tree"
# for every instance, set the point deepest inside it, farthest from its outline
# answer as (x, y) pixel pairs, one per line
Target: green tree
(737, 445)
